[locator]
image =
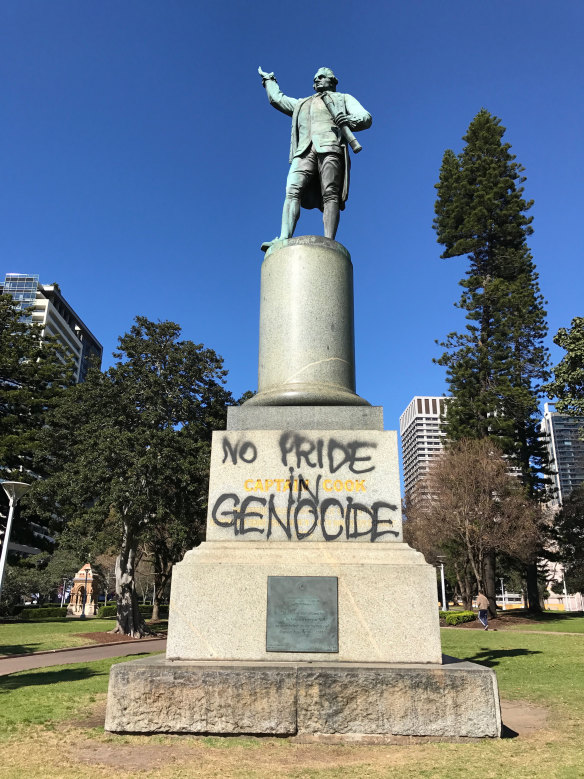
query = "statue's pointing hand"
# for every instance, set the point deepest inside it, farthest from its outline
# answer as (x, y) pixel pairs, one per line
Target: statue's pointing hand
(265, 76)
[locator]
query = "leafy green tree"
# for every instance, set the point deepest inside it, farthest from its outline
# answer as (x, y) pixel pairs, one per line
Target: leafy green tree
(33, 373)
(568, 382)
(132, 446)
(168, 541)
(497, 366)
(39, 577)
(24, 582)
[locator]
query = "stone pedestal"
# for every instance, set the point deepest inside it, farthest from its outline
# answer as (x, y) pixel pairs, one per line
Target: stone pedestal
(387, 602)
(304, 613)
(307, 347)
(250, 417)
(445, 702)
(309, 503)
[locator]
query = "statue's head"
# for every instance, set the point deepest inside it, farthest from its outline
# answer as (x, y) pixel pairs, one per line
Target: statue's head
(325, 81)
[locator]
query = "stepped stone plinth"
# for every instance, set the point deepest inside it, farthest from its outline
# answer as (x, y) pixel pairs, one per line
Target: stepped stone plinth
(304, 612)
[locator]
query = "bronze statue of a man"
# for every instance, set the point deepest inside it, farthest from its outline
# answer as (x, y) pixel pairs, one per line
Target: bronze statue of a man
(319, 159)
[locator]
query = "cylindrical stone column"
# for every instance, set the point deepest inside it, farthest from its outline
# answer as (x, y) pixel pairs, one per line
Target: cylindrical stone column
(307, 343)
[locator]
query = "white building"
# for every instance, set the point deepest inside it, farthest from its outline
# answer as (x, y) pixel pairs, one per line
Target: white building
(422, 436)
(565, 446)
(43, 304)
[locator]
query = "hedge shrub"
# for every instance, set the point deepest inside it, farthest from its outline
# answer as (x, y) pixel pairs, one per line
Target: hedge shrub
(107, 611)
(32, 615)
(145, 611)
(457, 617)
(12, 611)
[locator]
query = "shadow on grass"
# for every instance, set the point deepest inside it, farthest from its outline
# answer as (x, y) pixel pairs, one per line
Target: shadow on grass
(492, 657)
(507, 732)
(160, 626)
(6, 650)
(15, 682)
(58, 620)
(544, 616)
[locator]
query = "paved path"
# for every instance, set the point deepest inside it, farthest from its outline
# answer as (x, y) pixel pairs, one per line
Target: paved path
(82, 654)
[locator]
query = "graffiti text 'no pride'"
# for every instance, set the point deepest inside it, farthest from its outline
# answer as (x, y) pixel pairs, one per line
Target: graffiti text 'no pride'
(301, 451)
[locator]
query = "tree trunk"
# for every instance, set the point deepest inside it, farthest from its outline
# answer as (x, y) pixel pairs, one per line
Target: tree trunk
(458, 582)
(129, 620)
(464, 587)
(160, 582)
(533, 602)
(490, 582)
(158, 589)
(467, 592)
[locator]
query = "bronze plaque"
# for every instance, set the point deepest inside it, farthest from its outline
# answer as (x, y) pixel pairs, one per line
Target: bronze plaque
(303, 614)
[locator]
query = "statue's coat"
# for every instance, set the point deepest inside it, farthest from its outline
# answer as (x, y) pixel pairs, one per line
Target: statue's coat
(360, 119)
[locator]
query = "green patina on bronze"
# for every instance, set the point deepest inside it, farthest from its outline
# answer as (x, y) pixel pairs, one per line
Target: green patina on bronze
(322, 128)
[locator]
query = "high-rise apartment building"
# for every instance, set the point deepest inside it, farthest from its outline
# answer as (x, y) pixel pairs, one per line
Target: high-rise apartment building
(43, 304)
(565, 450)
(421, 436)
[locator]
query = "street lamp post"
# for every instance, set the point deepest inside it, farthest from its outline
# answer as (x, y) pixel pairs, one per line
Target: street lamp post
(63, 591)
(503, 594)
(566, 602)
(15, 490)
(444, 601)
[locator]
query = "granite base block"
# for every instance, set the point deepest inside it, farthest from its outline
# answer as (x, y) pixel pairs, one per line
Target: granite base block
(304, 417)
(387, 607)
(449, 701)
(155, 695)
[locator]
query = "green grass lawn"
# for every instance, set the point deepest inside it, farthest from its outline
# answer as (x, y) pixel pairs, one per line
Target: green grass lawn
(556, 622)
(538, 668)
(21, 637)
(43, 733)
(50, 695)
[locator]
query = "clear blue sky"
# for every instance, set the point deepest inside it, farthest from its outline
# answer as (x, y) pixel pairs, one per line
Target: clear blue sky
(142, 165)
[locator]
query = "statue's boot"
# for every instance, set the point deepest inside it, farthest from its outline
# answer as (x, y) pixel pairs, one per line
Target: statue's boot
(266, 244)
(330, 218)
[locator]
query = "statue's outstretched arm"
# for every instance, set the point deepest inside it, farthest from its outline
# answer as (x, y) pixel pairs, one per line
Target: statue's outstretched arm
(276, 97)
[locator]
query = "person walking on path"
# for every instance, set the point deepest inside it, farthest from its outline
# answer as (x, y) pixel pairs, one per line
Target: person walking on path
(483, 607)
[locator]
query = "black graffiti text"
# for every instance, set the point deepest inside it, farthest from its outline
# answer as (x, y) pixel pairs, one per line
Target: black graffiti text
(246, 450)
(304, 513)
(301, 451)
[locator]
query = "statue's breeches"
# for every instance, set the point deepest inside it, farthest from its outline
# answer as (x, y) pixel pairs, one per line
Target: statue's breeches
(330, 167)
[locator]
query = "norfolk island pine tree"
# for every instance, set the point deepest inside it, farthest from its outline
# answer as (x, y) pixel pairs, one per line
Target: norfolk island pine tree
(496, 367)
